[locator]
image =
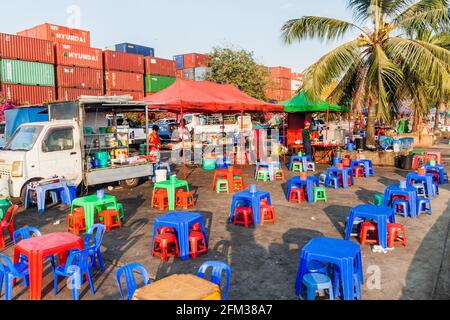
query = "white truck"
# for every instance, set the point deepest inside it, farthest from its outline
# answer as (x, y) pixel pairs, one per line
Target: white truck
(61, 147)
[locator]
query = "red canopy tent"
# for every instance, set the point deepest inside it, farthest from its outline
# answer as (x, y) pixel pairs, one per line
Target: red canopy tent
(207, 97)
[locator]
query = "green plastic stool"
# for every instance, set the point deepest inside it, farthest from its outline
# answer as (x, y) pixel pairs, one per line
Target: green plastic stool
(118, 207)
(4, 206)
(378, 200)
(222, 186)
(417, 152)
(320, 194)
(263, 175)
(297, 167)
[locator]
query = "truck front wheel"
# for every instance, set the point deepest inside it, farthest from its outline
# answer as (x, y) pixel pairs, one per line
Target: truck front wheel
(130, 183)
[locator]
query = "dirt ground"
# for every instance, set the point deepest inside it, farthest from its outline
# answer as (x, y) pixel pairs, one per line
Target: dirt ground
(265, 259)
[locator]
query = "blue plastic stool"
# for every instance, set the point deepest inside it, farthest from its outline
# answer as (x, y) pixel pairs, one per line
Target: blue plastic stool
(218, 268)
(316, 282)
(403, 204)
(337, 287)
(336, 161)
(73, 195)
(128, 272)
(424, 206)
(10, 271)
(310, 166)
(332, 182)
(322, 178)
(356, 226)
(436, 188)
(420, 188)
(317, 267)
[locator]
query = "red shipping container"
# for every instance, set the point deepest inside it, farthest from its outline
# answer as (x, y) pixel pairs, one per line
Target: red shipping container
(195, 60)
(136, 95)
(58, 34)
(28, 49)
(71, 94)
(76, 56)
(279, 95)
(179, 74)
(281, 72)
(283, 84)
(126, 81)
(77, 77)
(25, 95)
(123, 61)
(297, 76)
(161, 67)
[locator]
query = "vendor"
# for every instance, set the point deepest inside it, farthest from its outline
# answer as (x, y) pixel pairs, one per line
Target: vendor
(154, 144)
(306, 137)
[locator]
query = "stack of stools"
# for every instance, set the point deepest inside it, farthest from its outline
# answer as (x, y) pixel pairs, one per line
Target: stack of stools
(267, 213)
(359, 172)
(244, 216)
(401, 205)
(238, 183)
(297, 195)
(396, 235)
(160, 199)
(197, 241)
(222, 186)
(368, 233)
(76, 221)
(166, 244)
(185, 199)
(110, 218)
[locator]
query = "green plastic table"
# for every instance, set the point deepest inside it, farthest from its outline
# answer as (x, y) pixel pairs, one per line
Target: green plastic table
(171, 187)
(89, 204)
(4, 206)
(417, 152)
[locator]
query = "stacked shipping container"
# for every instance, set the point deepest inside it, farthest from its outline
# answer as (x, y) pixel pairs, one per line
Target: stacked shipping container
(58, 34)
(26, 70)
(280, 88)
(193, 66)
(159, 74)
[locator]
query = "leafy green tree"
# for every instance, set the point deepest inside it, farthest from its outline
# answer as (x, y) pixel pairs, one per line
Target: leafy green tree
(239, 68)
(384, 61)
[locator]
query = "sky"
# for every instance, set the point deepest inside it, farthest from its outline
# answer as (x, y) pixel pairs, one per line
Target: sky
(183, 26)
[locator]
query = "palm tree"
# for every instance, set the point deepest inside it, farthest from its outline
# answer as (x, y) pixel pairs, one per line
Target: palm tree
(384, 61)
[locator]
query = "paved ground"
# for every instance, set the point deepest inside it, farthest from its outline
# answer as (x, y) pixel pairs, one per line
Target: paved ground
(265, 260)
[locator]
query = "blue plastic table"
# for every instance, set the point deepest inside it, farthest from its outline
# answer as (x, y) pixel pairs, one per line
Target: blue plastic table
(304, 159)
(310, 182)
(437, 168)
(345, 172)
(345, 254)
(181, 222)
(409, 191)
(382, 215)
(367, 164)
(426, 179)
(269, 165)
(41, 191)
(255, 201)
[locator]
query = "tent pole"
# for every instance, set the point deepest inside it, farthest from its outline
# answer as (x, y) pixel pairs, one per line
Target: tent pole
(328, 115)
(350, 133)
(283, 122)
(242, 133)
(182, 139)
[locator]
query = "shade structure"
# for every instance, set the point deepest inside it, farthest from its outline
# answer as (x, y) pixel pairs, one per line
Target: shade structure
(301, 103)
(207, 97)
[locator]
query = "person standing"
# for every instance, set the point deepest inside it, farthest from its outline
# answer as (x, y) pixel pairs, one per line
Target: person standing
(7, 106)
(154, 144)
(306, 137)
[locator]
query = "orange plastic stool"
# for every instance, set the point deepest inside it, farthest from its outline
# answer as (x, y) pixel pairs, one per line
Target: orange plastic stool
(197, 244)
(160, 199)
(297, 195)
(238, 184)
(268, 214)
(243, 216)
(76, 221)
(279, 175)
(196, 227)
(185, 200)
(396, 235)
(166, 245)
(358, 172)
(368, 233)
(346, 162)
(111, 219)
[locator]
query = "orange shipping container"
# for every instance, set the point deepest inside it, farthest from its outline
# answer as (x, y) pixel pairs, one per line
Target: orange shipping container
(297, 76)
(136, 95)
(179, 74)
(116, 80)
(283, 84)
(160, 67)
(58, 34)
(25, 95)
(77, 77)
(195, 60)
(123, 61)
(278, 95)
(28, 49)
(281, 72)
(71, 94)
(76, 56)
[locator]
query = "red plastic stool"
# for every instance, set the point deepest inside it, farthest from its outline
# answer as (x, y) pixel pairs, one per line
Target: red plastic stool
(358, 172)
(396, 235)
(368, 233)
(346, 162)
(197, 244)
(111, 219)
(238, 184)
(196, 227)
(297, 195)
(185, 200)
(160, 199)
(165, 230)
(279, 175)
(243, 216)
(400, 197)
(76, 221)
(166, 245)
(268, 214)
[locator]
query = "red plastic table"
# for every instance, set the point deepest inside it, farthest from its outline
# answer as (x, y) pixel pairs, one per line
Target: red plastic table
(228, 175)
(38, 248)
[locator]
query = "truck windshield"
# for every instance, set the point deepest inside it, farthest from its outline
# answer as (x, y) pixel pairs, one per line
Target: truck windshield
(24, 138)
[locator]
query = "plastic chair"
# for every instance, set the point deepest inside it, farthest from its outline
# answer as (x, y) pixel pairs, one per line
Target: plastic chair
(10, 271)
(222, 186)
(79, 258)
(316, 282)
(320, 194)
(8, 223)
(359, 172)
(218, 268)
(130, 280)
(424, 206)
(93, 242)
(279, 174)
(337, 284)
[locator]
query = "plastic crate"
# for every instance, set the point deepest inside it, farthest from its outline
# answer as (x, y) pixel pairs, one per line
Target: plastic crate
(407, 143)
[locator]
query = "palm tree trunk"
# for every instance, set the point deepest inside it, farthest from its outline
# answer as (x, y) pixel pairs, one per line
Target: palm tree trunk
(447, 110)
(437, 117)
(415, 125)
(371, 118)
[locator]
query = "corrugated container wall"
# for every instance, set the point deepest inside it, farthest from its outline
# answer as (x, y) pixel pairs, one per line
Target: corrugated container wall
(179, 74)
(28, 49)
(77, 77)
(123, 61)
(27, 73)
(24, 95)
(283, 84)
(58, 34)
(76, 56)
(281, 72)
(179, 61)
(136, 49)
(195, 60)
(189, 74)
(201, 73)
(70, 94)
(159, 66)
(157, 83)
(136, 95)
(116, 80)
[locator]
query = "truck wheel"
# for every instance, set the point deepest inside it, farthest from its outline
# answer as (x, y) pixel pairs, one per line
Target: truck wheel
(130, 183)
(33, 198)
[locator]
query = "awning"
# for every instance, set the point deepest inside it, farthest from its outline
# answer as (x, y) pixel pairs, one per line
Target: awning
(301, 103)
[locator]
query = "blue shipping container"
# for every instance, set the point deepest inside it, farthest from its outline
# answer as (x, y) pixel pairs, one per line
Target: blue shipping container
(136, 49)
(16, 117)
(179, 61)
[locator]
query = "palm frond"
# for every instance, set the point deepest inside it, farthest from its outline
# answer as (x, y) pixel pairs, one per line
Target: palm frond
(365, 9)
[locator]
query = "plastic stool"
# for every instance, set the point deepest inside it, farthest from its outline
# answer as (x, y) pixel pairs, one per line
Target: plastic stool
(76, 221)
(297, 167)
(222, 186)
(368, 233)
(160, 199)
(118, 207)
(263, 175)
(185, 200)
(279, 174)
(320, 194)
(401, 207)
(436, 188)
(420, 188)
(197, 244)
(243, 216)
(297, 195)
(238, 182)
(317, 267)
(317, 282)
(332, 182)
(424, 206)
(268, 214)
(166, 245)
(111, 219)
(355, 230)
(396, 235)
(337, 282)
(358, 172)
(311, 166)
(322, 178)
(378, 200)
